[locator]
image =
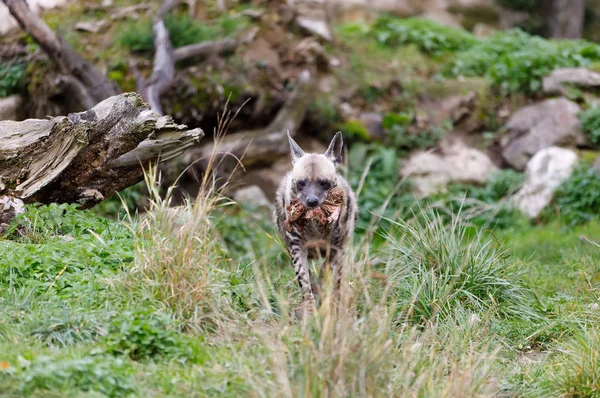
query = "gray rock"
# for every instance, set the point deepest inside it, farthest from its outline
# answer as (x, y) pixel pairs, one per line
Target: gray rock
(252, 196)
(544, 173)
(374, 123)
(443, 17)
(556, 82)
(9, 107)
(9, 208)
(535, 127)
(316, 27)
(432, 172)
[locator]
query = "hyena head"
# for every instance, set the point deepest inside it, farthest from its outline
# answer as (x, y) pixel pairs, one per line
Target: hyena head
(314, 174)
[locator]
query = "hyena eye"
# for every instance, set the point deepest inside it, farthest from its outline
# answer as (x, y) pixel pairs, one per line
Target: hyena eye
(325, 185)
(301, 184)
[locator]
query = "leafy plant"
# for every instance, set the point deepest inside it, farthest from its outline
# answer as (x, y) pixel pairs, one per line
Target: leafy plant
(429, 36)
(143, 334)
(56, 246)
(516, 61)
(183, 30)
(354, 129)
(12, 78)
(105, 375)
(486, 205)
(590, 123)
(404, 137)
(578, 198)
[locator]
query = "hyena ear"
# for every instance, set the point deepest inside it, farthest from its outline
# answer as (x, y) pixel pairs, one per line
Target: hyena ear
(297, 152)
(334, 152)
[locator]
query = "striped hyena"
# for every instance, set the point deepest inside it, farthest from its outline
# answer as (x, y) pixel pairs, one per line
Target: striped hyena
(309, 185)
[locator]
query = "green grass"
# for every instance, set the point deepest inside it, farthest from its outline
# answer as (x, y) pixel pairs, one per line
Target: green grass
(199, 301)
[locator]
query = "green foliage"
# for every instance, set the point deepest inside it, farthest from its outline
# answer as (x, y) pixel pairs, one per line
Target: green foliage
(377, 167)
(355, 130)
(12, 78)
(402, 136)
(57, 246)
(486, 205)
(429, 36)
(516, 61)
(578, 198)
(129, 198)
(143, 334)
(590, 122)
(100, 374)
(183, 30)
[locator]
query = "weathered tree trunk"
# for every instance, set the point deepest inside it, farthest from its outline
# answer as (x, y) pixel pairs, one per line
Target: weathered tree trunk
(88, 156)
(564, 18)
(84, 83)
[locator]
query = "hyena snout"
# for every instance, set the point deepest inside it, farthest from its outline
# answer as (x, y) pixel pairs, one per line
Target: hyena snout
(312, 201)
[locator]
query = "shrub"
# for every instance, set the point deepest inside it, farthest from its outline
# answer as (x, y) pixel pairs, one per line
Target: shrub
(590, 122)
(578, 198)
(12, 78)
(105, 375)
(142, 334)
(429, 36)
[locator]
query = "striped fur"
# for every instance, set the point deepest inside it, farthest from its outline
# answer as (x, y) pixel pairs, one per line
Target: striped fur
(310, 179)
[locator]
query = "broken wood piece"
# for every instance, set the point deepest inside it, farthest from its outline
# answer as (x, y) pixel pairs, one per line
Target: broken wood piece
(88, 156)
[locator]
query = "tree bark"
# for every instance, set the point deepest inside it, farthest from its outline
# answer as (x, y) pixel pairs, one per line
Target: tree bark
(564, 18)
(88, 156)
(163, 70)
(91, 85)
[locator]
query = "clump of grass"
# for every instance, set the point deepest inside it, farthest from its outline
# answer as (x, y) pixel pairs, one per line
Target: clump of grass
(355, 347)
(177, 251)
(434, 267)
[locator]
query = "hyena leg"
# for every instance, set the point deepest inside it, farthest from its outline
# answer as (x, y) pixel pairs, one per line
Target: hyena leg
(300, 260)
(336, 262)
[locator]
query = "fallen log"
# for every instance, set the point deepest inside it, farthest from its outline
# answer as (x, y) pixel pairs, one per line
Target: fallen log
(88, 156)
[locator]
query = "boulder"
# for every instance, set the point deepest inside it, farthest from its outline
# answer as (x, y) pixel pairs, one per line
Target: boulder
(456, 163)
(9, 107)
(373, 122)
(253, 197)
(538, 126)
(443, 17)
(544, 173)
(9, 208)
(558, 81)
